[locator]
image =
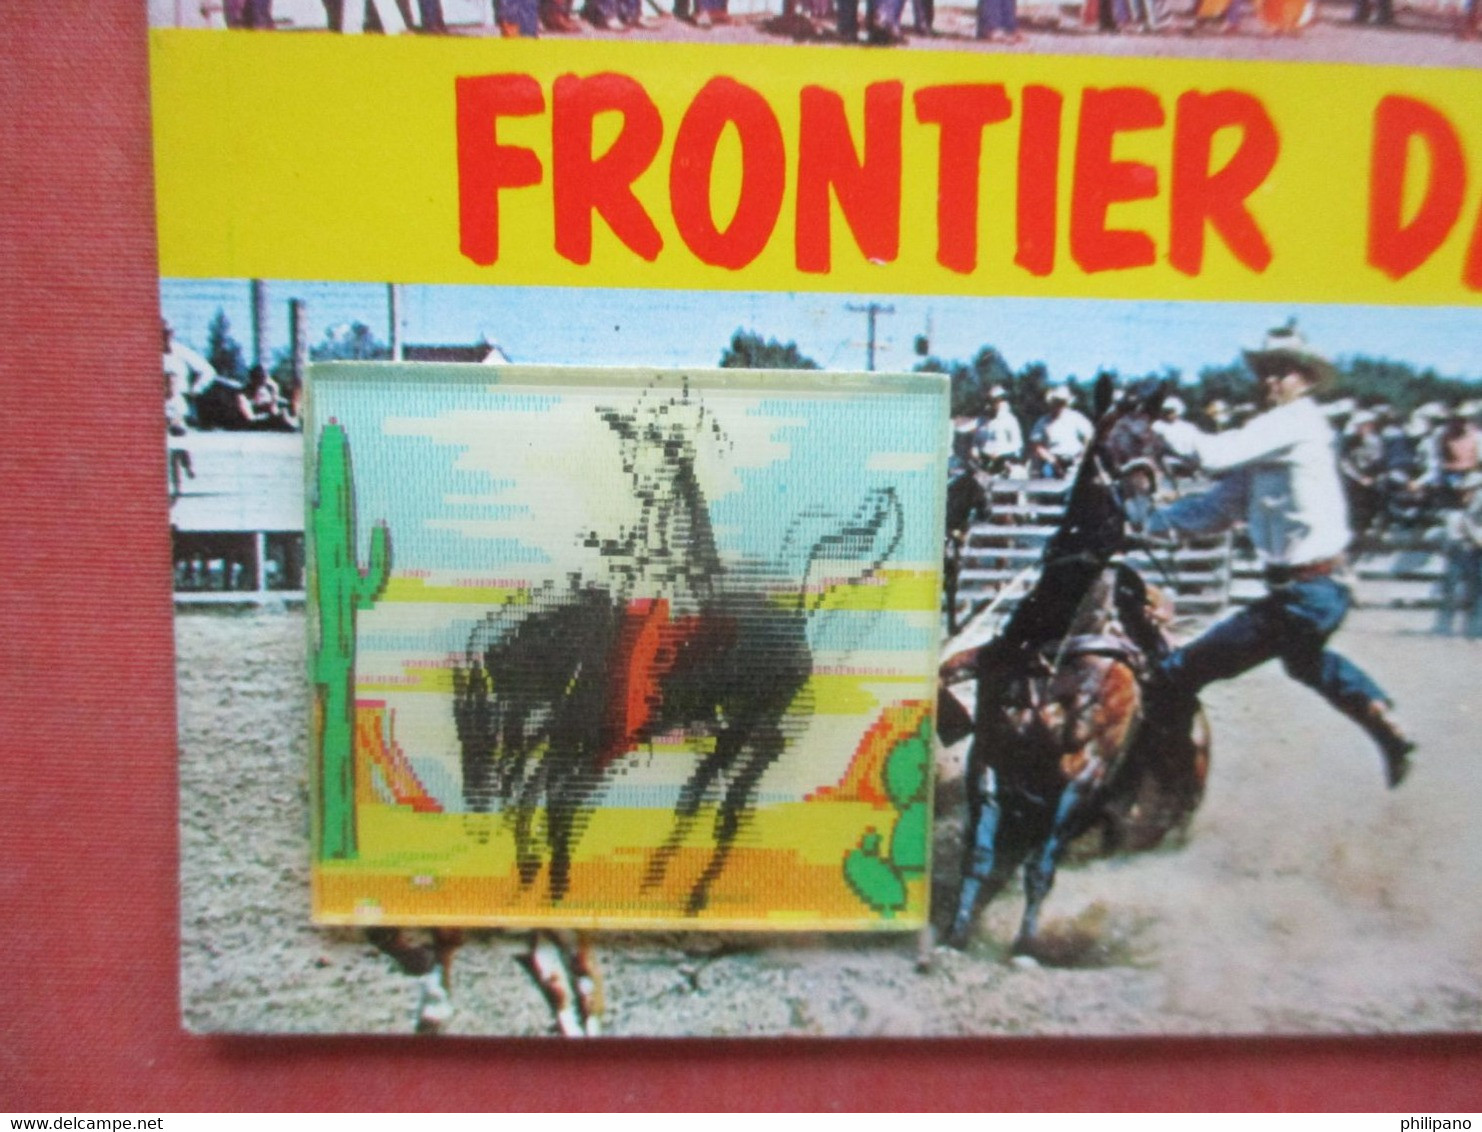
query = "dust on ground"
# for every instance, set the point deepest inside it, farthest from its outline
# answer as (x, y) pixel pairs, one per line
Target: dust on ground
(1307, 898)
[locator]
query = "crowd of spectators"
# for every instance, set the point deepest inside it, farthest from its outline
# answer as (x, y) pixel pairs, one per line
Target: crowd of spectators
(1418, 471)
(1402, 469)
(883, 23)
(197, 396)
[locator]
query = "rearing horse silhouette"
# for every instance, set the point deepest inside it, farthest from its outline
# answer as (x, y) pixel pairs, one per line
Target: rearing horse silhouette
(554, 693)
(1056, 743)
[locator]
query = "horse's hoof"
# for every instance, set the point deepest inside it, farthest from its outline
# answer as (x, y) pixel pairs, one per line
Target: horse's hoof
(434, 1005)
(1024, 961)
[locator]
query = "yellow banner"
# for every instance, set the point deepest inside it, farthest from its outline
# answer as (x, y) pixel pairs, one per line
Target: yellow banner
(647, 165)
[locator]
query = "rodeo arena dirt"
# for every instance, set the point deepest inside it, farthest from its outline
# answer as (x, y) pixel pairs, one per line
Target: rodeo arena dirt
(1304, 897)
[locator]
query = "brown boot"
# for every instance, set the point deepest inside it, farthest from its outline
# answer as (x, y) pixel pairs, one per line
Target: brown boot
(1395, 745)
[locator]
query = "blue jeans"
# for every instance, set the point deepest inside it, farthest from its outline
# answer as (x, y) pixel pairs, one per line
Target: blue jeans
(1461, 591)
(524, 14)
(997, 15)
(879, 14)
(1293, 623)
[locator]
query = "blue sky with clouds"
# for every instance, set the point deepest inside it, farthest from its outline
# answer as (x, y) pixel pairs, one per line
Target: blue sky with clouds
(689, 328)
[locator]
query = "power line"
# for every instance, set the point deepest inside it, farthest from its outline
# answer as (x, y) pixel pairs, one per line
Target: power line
(871, 311)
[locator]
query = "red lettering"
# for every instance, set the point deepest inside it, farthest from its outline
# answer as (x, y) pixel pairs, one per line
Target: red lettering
(1197, 195)
(582, 184)
(961, 110)
(485, 166)
(724, 102)
(1101, 182)
(1395, 247)
(1471, 270)
(1039, 179)
(868, 188)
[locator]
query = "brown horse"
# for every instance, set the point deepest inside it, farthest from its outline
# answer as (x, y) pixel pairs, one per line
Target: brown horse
(1056, 748)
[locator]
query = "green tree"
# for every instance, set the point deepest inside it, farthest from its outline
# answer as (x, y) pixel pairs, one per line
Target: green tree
(1397, 383)
(748, 351)
(971, 380)
(1232, 383)
(222, 350)
(1027, 394)
(355, 344)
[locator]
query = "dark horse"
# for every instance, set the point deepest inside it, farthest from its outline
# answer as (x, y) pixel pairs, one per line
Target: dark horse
(557, 691)
(1057, 747)
(967, 503)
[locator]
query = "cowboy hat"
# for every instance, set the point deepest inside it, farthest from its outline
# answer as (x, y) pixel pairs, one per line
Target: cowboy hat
(1285, 350)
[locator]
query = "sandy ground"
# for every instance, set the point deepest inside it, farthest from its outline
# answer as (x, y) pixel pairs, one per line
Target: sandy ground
(1308, 898)
(1421, 36)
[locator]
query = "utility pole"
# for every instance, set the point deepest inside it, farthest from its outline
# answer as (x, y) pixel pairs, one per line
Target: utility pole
(871, 311)
(259, 290)
(393, 304)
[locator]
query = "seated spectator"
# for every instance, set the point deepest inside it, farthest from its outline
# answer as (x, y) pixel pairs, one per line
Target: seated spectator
(1058, 438)
(999, 439)
(261, 405)
(1455, 452)
(1217, 415)
(1177, 431)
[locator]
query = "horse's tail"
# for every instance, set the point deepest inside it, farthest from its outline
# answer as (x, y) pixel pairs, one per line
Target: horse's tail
(871, 536)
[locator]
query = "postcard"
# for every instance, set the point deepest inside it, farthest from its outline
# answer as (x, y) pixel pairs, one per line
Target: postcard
(730, 522)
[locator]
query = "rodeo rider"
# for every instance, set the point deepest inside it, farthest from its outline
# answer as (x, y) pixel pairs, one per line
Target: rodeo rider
(1279, 473)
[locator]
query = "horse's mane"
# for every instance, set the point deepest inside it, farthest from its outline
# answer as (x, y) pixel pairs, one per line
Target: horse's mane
(1092, 530)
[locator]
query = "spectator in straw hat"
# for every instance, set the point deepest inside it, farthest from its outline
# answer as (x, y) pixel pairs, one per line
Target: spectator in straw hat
(1279, 474)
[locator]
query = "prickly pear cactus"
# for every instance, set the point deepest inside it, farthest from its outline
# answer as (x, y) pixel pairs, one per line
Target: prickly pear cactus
(879, 878)
(339, 587)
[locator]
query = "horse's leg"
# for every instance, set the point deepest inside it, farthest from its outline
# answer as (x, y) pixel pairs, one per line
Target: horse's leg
(547, 964)
(1039, 869)
(763, 751)
(951, 567)
(690, 797)
(978, 860)
(563, 809)
(987, 864)
(435, 998)
(428, 965)
(587, 976)
(527, 860)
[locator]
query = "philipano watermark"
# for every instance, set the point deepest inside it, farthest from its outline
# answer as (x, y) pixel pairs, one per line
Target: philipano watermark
(1434, 1123)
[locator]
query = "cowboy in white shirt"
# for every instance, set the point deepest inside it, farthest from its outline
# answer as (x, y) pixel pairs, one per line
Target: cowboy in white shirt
(999, 437)
(1059, 437)
(1279, 473)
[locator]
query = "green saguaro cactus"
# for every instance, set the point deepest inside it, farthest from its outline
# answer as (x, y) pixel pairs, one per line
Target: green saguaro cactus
(340, 587)
(876, 874)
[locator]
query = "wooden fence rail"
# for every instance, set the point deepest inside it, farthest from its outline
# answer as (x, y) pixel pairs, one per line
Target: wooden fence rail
(1001, 556)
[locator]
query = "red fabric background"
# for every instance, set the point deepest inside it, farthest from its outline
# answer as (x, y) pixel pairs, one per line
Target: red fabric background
(88, 999)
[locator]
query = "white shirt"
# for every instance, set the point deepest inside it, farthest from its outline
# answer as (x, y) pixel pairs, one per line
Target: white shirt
(1000, 435)
(1280, 474)
(1065, 436)
(186, 371)
(1178, 433)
